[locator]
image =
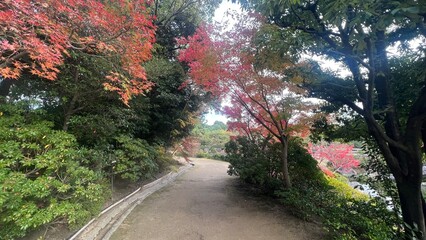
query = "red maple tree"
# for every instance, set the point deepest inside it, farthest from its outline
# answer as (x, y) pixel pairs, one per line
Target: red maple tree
(223, 62)
(339, 155)
(36, 36)
(202, 57)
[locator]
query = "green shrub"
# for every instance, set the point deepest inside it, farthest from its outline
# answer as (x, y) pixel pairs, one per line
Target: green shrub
(345, 212)
(202, 154)
(134, 159)
(342, 188)
(359, 219)
(163, 158)
(257, 162)
(42, 178)
(253, 164)
(303, 167)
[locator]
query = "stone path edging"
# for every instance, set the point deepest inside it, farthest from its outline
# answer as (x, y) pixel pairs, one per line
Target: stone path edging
(104, 225)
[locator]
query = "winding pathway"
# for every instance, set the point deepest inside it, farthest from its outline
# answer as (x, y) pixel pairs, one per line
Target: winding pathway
(206, 203)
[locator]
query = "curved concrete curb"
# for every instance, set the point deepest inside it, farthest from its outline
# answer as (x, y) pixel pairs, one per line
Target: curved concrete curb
(104, 225)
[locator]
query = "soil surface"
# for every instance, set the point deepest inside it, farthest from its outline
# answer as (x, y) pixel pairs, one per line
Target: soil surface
(206, 203)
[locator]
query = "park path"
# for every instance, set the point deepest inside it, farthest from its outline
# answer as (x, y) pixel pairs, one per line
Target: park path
(205, 203)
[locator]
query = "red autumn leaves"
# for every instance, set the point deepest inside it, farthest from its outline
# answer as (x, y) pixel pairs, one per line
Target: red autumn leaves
(338, 155)
(223, 62)
(37, 36)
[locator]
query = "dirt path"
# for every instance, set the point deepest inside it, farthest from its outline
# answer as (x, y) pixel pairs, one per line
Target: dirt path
(205, 203)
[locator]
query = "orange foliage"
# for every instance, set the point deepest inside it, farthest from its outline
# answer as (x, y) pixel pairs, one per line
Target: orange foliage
(36, 36)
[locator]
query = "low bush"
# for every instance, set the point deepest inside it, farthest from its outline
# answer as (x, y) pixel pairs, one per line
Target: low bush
(345, 212)
(342, 188)
(46, 177)
(134, 159)
(253, 163)
(42, 176)
(257, 162)
(202, 154)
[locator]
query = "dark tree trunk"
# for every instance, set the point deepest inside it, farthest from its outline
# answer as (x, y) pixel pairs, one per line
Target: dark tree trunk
(402, 152)
(284, 161)
(411, 204)
(71, 109)
(5, 85)
(69, 112)
(406, 167)
(404, 158)
(424, 137)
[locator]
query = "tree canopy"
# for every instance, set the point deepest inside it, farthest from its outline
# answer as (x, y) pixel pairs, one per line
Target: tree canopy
(37, 37)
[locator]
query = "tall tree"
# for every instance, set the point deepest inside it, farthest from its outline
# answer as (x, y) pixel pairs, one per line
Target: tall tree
(358, 34)
(262, 106)
(179, 18)
(171, 107)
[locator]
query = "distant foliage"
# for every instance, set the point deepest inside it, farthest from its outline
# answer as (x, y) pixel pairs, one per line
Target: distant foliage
(212, 139)
(338, 155)
(42, 176)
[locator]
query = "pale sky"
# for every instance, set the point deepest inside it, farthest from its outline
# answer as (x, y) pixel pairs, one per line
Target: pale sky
(224, 7)
(220, 17)
(212, 117)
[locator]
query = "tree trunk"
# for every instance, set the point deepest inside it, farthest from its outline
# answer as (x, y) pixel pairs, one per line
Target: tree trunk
(411, 205)
(284, 161)
(69, 113)
(406, 167)
(67, 118)
(5, 85)
(424, 137)
(71, 107)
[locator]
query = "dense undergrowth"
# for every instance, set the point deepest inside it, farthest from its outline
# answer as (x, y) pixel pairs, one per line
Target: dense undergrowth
(345, 213)
(46, 177)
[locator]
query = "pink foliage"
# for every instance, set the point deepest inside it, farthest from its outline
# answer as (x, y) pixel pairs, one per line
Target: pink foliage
(222, 62)
(339, 155)
(202, 59)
